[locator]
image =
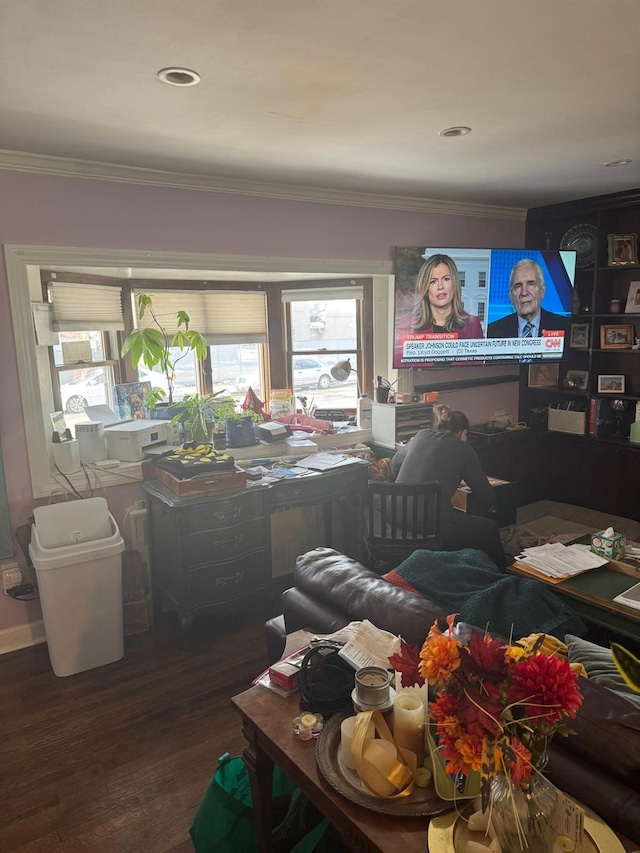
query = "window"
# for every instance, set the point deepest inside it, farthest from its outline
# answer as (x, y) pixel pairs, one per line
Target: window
(324, 328)
(482, 278)
(462, 275)
(27, 268)
(482, 311)
(237, 367)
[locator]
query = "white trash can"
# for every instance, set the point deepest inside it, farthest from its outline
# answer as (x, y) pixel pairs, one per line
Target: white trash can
(80, 583)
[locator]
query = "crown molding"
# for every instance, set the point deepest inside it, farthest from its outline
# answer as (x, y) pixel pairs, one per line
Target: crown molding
(21, 161)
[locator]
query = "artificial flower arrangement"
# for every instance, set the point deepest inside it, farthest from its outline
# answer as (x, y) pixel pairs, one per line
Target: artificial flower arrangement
(497, 704)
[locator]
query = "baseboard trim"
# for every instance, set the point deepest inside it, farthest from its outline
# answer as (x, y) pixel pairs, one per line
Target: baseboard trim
(21, 636)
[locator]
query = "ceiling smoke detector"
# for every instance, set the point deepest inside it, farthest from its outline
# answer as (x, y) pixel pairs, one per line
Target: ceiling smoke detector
(179, 76)
(460, 130)
(617, 163)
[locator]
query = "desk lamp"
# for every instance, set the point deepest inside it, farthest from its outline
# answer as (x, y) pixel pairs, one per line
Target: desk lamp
(341, 371)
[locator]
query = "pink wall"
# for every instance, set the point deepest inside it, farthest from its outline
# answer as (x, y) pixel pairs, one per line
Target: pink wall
(57, 211)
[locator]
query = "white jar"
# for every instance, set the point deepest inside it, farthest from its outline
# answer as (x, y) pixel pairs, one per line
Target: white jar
(363, 414)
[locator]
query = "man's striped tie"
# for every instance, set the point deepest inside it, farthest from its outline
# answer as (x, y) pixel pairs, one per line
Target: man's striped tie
(527, 331)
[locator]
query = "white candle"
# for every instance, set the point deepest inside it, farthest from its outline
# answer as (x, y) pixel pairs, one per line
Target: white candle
(408, 723)
(346, 734)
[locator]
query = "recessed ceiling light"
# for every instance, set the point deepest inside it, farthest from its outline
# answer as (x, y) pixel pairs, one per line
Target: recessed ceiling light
(617, 163)
(455, 131)
(179, 76)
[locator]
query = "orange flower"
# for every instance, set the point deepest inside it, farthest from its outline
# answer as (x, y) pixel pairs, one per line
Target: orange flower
(470, 751)
(439, 658)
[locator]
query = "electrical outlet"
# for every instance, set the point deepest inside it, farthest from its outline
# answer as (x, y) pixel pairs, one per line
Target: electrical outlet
(11, 576)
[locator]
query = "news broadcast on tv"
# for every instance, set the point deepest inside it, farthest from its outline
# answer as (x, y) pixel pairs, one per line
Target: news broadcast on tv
(477, 306)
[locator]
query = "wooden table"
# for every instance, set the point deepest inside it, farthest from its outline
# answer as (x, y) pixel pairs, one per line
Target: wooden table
(591, 595)
(267, 725)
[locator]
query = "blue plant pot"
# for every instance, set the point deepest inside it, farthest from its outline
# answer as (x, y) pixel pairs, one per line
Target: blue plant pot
(240, 433)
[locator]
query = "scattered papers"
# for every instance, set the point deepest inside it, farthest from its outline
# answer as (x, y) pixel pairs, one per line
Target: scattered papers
(325, 461)
(365, 644)
(557, 562)
(630, 597)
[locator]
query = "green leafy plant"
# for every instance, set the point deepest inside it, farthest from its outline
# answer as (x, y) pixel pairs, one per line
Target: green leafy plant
(152, 346)
(628, 665)
(228, 412)
(198, 412)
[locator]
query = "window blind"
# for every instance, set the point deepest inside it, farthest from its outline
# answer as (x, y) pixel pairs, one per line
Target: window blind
(221, 316)
(323, 294)
(85, 307)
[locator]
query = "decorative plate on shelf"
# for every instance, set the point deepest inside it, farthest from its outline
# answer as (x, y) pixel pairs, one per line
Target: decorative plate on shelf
(582, 239)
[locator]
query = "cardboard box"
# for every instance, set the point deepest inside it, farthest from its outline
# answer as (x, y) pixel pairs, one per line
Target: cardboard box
(430, 396)
(611, 547)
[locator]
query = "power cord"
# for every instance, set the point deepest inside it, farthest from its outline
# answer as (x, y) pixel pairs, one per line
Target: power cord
(21, 592)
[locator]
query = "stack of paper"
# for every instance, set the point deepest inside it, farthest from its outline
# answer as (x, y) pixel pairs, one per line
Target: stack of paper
(630, 597)
(556, 562)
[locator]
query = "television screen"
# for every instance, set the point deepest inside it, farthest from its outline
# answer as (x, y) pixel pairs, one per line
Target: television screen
(478, 306)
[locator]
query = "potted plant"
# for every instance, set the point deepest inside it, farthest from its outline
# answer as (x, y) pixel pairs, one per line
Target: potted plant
(198, 413)
(152, 346)
(239, 425)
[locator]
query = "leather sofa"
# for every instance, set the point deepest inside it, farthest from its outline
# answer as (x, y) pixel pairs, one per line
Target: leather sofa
(598, 765)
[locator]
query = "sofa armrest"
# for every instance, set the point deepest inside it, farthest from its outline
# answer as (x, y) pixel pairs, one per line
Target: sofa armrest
(615, 802)
(302, 611)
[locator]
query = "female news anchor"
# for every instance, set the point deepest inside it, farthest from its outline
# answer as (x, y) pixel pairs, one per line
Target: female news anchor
(438, 304)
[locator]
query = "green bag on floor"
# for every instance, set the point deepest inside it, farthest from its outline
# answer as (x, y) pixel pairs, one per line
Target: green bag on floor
(224, 822)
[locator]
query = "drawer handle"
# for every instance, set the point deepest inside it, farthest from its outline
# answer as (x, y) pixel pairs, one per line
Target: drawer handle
(237, 578)
(229, 543)
(236, 512)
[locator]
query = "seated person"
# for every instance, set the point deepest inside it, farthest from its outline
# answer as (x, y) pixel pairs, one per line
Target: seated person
(443, 455)
(529, 320)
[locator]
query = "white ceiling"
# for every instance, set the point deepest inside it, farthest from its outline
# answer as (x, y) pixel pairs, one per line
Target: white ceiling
(336, 94)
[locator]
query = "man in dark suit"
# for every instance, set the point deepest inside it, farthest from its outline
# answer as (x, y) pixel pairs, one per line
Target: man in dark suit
(526, 291)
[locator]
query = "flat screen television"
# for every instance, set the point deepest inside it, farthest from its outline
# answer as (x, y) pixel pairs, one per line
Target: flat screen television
(481, 306)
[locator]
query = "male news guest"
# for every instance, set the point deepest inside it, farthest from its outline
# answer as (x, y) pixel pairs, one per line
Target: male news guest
(530, 320)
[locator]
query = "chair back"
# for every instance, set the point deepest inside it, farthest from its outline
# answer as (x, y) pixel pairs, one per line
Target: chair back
(402, 518)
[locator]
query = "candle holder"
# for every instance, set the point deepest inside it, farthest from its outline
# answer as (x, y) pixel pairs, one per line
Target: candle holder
(372, 687)
(308, 725)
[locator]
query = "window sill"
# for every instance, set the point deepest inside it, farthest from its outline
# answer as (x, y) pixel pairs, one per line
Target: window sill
(98, 478)
(128, 472)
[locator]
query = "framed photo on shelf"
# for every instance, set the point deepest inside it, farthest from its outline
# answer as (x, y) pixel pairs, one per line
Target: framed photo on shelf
(611, 383)
(623, 249)
(616, 337)
(576, 380)
(633, 298)
(579, 336)
(543, 376)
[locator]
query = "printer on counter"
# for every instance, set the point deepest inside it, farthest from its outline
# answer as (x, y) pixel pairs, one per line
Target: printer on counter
(128, 439)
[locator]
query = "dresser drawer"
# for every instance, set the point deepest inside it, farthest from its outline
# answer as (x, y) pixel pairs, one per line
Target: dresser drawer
(222, 512)
(204, 546)
(218, 582)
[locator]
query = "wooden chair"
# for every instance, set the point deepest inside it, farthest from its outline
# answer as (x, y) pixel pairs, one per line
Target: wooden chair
(400, 520)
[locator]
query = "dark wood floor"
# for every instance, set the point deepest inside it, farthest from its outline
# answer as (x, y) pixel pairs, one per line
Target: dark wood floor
(117, 759)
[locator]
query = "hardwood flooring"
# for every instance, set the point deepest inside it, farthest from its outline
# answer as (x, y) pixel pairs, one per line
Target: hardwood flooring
(117, 759)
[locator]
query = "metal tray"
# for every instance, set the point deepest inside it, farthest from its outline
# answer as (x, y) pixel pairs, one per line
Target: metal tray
(421, 801)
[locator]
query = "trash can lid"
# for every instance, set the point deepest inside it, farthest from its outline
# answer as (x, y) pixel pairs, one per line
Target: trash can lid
(72, 522)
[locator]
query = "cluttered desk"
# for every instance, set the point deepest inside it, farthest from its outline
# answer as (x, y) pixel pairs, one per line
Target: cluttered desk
(602, 588)
(213, 550)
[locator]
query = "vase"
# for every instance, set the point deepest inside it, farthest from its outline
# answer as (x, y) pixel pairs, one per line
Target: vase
(240, 433)
(523, 818)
